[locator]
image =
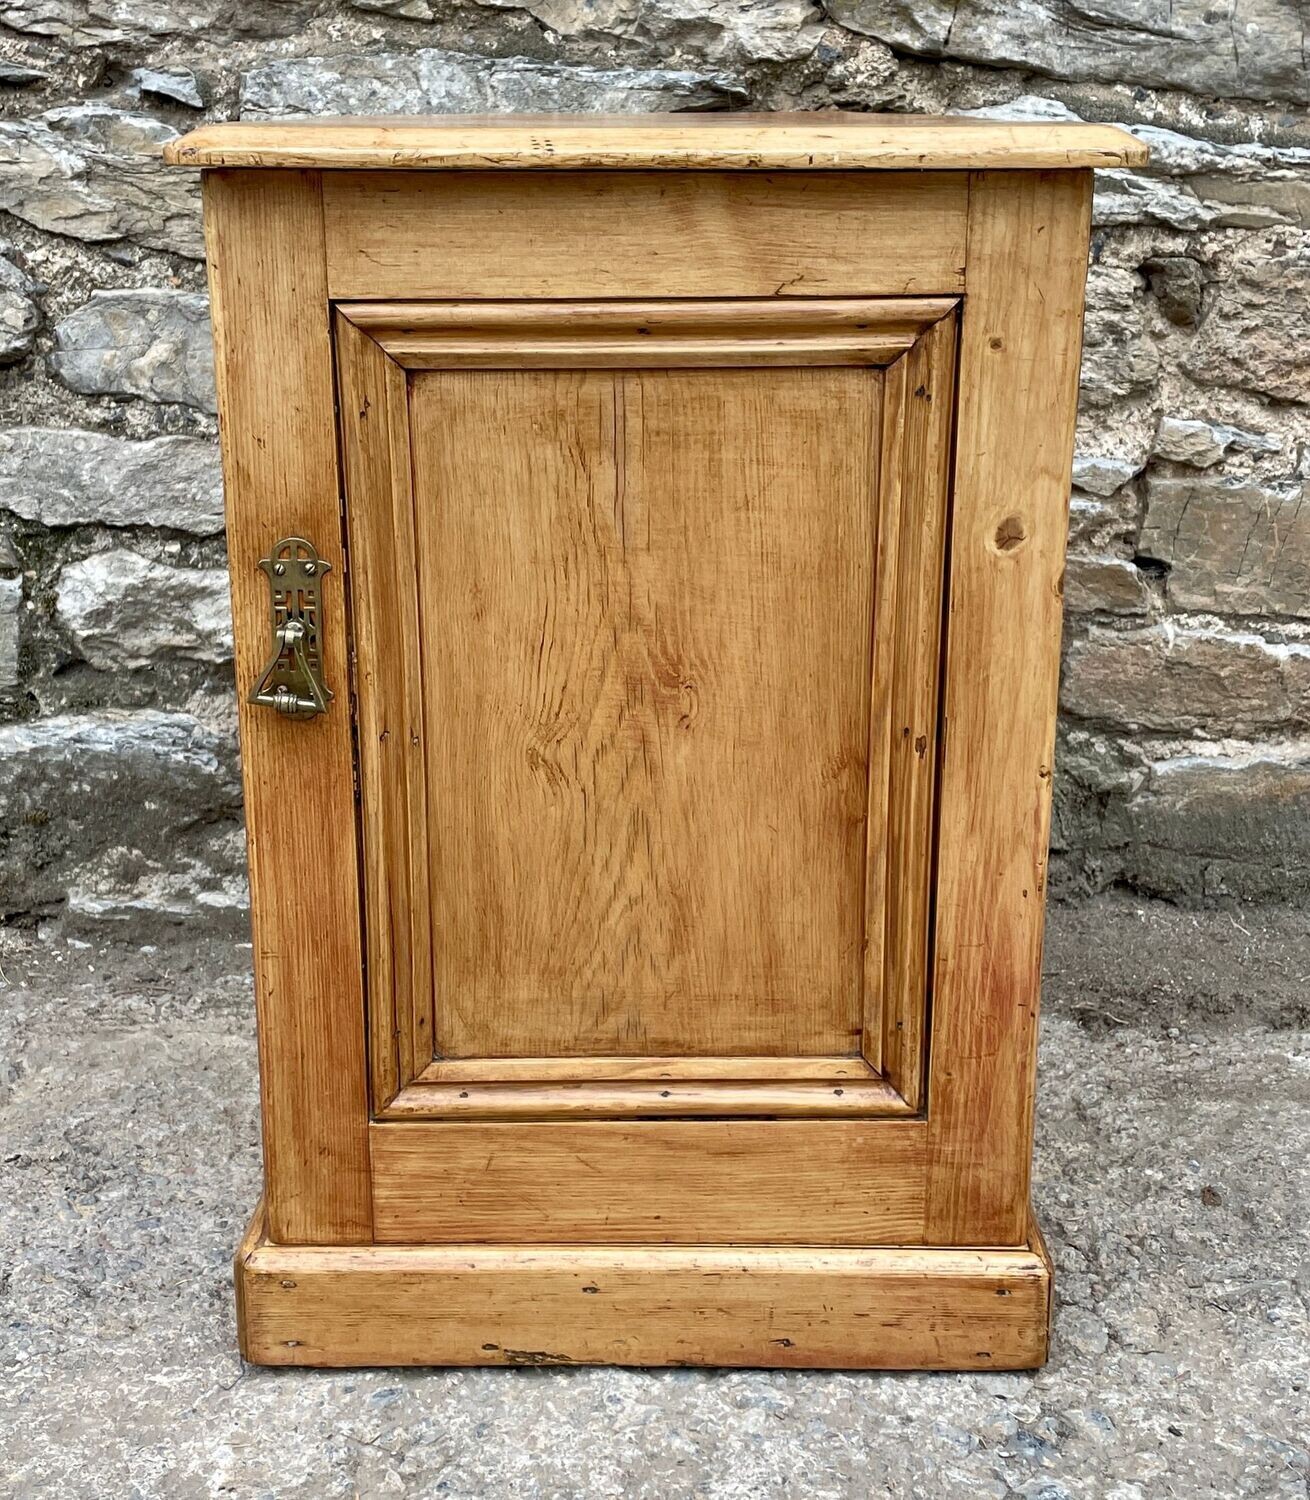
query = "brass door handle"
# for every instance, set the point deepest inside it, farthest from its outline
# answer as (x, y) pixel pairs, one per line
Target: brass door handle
(292, 679)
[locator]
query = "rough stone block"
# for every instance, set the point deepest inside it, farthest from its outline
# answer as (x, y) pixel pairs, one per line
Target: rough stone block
(1233, 546)
(431, 82)
(1251, 49)
(94, 173)
(408, 10)
(1105, 585)
(1256, 327)
(204, 889)
(1101, 476)
(177, 85)
(1184, 440)
(1103, 525)
(1095, 776)
(1209, 825)
(151, 343)
(765, 30)
(19, 320)
(11, 613)
(20, 317)
(1240, 185)
(100, 23)
(64, 477)
(18, 75)
(144, 788)
(1164, 679)
(1119, 357)
(122, 610)
(1188, 183)
(1134, 198)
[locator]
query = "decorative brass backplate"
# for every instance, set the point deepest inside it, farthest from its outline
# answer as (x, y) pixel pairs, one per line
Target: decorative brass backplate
(292, 679)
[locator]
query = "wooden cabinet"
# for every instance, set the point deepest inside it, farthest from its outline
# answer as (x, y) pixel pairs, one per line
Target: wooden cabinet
(646, 541)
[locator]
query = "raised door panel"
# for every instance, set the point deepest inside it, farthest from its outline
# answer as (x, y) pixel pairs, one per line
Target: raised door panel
(646, 606)
(646, 602)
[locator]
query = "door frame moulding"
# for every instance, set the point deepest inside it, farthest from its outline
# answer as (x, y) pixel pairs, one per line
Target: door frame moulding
(715, 333)
(913, 340)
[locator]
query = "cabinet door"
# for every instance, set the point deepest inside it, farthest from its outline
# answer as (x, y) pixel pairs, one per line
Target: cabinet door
(646, 605)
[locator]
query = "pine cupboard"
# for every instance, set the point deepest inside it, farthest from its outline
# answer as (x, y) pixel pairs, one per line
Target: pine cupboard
(646, 540)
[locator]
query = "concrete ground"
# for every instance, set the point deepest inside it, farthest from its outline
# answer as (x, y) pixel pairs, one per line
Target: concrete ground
(1171, 1180)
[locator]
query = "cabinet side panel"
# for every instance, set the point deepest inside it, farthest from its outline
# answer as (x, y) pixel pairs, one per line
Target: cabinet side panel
(268, 287)
(1021, 342)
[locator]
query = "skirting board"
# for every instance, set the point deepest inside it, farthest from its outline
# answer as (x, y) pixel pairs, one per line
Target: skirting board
(797, 1308)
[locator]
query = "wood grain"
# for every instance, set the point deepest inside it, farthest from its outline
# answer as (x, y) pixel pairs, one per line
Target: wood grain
(647, 802)
(638, 1099)
(649, 335)
(885, 1308)
(914, 513)
(274, 373)
(651, 1069)
(1018, 383)
(508, 1088)
(747, 1182)
(587, 234)
(752, 142)
(388, 686)
(255, 1238)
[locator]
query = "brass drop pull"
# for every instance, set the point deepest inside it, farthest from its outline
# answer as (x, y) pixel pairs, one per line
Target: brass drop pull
(292, 679)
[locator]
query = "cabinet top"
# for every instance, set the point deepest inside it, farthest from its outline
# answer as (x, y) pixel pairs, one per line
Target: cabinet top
(724, 142)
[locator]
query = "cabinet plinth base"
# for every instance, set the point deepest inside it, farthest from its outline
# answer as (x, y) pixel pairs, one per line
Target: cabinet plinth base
(800, 1308)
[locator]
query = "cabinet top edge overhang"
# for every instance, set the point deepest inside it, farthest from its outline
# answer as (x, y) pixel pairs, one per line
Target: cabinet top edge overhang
(818, 141)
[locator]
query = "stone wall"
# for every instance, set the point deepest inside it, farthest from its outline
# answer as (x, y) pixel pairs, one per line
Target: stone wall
(1185, 742)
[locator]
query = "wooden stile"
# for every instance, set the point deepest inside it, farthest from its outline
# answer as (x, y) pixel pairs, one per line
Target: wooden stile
(1020, 346)
(274, 373)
